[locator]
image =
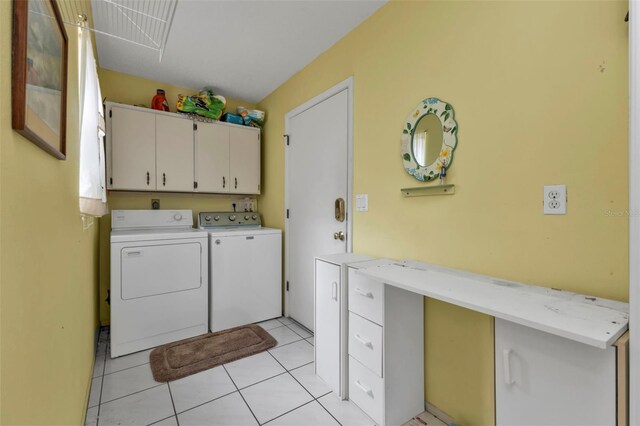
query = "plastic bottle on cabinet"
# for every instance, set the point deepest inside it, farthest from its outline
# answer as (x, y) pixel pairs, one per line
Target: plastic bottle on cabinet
(159, 101)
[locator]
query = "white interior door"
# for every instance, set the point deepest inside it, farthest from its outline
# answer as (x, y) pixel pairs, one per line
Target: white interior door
(318, 173)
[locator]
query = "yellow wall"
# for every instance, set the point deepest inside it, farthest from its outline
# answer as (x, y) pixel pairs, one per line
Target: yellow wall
(48, 280)
(128, 89)
(540, 94)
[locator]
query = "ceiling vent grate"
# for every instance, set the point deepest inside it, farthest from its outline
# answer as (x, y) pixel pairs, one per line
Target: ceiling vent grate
(145, 23)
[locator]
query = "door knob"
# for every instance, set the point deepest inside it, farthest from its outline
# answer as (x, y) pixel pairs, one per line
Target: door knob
(338, 236)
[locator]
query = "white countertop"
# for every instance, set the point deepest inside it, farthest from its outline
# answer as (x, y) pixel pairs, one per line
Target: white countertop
(589, 320)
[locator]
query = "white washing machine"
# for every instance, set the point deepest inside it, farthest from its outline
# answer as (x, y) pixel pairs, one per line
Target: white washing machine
(245, 269)
(159, 272)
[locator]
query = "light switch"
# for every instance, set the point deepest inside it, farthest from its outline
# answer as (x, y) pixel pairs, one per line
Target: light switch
(362, 202)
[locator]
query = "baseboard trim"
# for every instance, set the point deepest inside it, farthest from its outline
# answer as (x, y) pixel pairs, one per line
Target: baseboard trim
(439, 413)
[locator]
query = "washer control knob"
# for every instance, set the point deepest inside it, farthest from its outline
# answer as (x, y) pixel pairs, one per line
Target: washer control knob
(232, 217)
(177, 216)
(207, 218)
(217, 218)
(254, 217)
(246, 217)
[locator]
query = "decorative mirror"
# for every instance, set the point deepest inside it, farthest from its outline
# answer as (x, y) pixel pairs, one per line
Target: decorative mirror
(429, 139)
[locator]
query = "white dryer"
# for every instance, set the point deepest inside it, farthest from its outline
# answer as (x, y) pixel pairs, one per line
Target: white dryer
(159, 269)
(245, 269)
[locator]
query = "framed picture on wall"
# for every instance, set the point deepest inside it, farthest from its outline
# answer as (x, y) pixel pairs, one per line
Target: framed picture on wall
(39, 74)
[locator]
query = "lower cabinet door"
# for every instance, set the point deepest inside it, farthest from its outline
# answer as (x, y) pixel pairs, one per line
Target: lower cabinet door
(327, 324)
(543, 379)
(366, 390)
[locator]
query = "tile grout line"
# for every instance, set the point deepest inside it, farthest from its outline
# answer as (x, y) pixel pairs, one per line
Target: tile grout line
(132, 393)
(303, 365)
(241, 396)
(263, 380)
(206, 402)
(326, 409)
(124, 369)
(313, 397)
(286, 344)
(285, 413)
(173, 404)
(104, 366)
(162, 420)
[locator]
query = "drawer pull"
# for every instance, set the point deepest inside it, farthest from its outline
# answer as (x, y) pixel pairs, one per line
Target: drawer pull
(363, 388)
(364, 341)
(363, 294)
(334, 290)
(506, 366)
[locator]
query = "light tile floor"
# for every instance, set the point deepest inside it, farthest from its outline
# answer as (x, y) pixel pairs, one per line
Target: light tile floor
(276, 387)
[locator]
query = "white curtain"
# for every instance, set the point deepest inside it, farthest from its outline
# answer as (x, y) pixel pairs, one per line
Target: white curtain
(93, 192)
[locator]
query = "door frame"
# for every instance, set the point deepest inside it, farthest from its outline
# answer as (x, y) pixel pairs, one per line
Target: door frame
(342, 86)
(634, 212)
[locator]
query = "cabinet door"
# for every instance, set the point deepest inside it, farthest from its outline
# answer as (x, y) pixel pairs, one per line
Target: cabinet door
(174, 154)
(327, 323)
(133, 150)
(244, 156)
(212, 157)
(543, 379)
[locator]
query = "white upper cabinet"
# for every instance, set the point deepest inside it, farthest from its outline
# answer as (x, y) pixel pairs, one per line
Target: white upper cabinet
(174, 154)
(212, 157)
(158, 151)
(132, 150)
(244, 163)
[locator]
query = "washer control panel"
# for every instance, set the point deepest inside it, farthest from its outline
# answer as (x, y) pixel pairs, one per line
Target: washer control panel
(228, 219)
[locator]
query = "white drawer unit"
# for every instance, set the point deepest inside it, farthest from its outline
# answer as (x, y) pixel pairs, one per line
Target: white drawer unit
(365, 342)
(366, 390)
(386, 349)
(330, 319)
(365, 297)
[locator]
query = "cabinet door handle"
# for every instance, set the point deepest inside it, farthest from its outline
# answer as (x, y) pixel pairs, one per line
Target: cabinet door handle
(334, 290)
(364, 294)
(164, 179)
(224, 182)
(148, 178)
(364, 341)
(506, 366)
(363, 388)
(236, 179)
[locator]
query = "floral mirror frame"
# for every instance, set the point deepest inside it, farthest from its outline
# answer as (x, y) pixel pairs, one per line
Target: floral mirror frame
(445, 114)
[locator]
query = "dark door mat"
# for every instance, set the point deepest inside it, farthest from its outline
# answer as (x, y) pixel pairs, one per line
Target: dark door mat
(189, 356)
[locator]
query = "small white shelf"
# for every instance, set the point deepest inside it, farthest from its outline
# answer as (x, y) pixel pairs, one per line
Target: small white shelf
(589, 320)
(420, 191)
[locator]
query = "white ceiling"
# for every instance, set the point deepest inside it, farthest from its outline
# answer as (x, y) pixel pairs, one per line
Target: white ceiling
(244, 49)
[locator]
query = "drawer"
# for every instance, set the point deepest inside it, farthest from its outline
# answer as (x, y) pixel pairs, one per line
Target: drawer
(365, 297)
(366, 390)
(365, 342)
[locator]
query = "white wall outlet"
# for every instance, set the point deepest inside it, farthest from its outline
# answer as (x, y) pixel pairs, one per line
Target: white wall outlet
(555, 199)
(362, 202)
